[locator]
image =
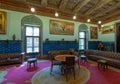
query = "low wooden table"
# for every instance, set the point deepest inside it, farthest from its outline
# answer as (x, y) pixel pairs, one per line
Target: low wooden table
(31, 61)
(83, 58)
(102, 64)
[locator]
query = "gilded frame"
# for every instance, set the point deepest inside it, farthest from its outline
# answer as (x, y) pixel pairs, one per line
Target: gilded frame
(108, 29)
(2, 22)
(61, 27)
(94, 32)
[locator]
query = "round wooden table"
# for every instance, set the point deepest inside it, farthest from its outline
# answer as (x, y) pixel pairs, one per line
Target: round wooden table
(62, 57)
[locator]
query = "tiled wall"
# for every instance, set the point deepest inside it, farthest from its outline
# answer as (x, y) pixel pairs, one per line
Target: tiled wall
(10, 46)
(16, 46)
(59, 45)
(94, 45)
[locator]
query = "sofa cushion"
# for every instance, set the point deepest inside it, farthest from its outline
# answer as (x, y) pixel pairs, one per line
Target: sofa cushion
(10, 58)
(112, 58)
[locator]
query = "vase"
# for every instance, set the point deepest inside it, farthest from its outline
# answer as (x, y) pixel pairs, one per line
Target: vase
(14, 36)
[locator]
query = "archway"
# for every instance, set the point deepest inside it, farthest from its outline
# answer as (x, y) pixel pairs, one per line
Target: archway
(83, 37)
(34, 23)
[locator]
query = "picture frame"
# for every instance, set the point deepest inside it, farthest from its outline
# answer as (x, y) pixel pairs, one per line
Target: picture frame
(61, 27)
(2, 22)
(108, 29)
(94, 32)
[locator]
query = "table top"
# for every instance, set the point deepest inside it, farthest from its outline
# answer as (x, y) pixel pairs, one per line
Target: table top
(62, 57)
(102, 61)
(32, 59)
(83, 56)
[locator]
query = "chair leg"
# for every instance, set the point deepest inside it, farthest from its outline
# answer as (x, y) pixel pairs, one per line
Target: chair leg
(78, 63)
(51, 69)
(74, 73)
(65, 71)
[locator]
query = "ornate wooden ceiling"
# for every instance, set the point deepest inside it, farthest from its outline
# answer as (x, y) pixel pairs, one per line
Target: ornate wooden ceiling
(104, 10)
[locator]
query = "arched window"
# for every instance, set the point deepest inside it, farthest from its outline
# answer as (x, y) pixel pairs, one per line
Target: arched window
(83, 37)
(82, 40)
(31, 34)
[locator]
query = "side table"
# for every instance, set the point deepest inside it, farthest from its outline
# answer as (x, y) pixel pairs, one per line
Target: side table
(31, 61)
(102, 64)
(83, 58)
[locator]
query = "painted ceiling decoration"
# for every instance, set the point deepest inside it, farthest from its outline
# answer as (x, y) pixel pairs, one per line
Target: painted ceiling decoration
(95, 10)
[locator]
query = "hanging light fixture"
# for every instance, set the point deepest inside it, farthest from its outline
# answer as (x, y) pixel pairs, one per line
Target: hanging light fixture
(88, 20)
(102, 25)
(99, 22)
(56, 14)
(74, 17)
(32, 9)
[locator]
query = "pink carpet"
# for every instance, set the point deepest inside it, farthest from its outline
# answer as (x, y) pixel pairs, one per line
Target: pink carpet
(103, 77)
(22, 75)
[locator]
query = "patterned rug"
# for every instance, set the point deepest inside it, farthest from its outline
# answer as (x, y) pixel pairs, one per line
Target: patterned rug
(44, 76)
(2, 74)
(19, 74)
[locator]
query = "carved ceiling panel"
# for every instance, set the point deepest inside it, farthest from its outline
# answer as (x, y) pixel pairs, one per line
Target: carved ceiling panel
(104, 10)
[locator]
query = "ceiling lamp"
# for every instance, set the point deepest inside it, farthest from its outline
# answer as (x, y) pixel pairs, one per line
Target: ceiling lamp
(74, 17)
(102, 25)
(56, 14)
(99, 22)
(32, 9)
(88, 20)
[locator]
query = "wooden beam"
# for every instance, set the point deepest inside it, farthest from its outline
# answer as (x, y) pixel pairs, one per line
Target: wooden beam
(107, 10)
(112, 14)
(63, 4)
(117, 17)
(97, 6)
(44, 3)
(80, 5)
(41, 11)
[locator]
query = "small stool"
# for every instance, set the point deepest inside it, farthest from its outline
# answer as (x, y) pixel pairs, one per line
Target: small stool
(30, 61)
(83, 58)
(102, 64)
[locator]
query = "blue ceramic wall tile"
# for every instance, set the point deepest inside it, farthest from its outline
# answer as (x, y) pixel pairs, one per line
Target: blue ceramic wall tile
(94, 45)
(47, 46)
(10, 46)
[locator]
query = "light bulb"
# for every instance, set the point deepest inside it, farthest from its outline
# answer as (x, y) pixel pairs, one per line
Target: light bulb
(99, 22)
(88, 20)
(56, 14)
(74, 17)
(102, 25)
(32, 9)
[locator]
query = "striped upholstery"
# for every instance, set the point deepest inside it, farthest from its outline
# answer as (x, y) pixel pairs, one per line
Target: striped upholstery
(113, 58)
(10, 58)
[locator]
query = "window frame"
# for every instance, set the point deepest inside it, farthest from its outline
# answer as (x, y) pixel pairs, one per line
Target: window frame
(25, 39)
(83, 39)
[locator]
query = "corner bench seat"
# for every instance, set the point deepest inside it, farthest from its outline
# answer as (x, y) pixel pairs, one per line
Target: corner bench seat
(10, 58)
(112, 58)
